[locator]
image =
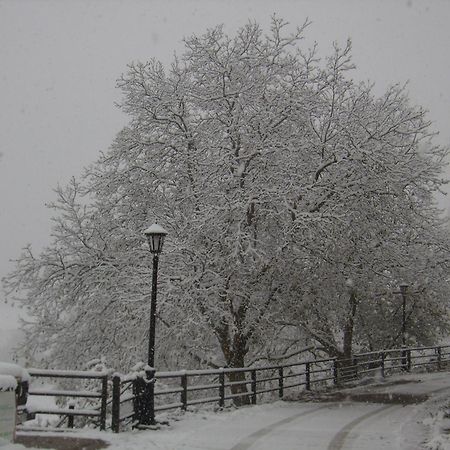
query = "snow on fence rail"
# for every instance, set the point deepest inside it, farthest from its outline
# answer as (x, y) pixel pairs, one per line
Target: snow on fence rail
(187, 388)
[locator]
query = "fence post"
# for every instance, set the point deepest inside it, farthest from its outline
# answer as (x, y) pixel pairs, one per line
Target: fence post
(144, 403)
(439, 357)
(115, 406)
(221, 388)
(137, 399)
(383, 359)
(408, 360)
(149, 394)
(280, 382)
(184, 384)
(253, 385)
(70, 416)
(335, 372)
(104, 401)
(134, 389)
(355, 367)
(308, 376)
(404, 361)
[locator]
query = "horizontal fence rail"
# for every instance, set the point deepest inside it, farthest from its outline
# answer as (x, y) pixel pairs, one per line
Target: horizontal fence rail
(180, 390)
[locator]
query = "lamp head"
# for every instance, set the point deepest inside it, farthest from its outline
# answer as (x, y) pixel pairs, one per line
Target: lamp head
(155, 236)
(403, 287)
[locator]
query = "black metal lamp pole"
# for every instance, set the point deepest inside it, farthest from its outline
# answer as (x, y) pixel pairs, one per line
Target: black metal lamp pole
(151, 339)
(155, 236)
(403, 289)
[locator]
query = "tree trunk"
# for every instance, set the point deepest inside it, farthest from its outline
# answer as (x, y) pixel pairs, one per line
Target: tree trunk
(349, 327)
(235, 357)
(238, 360)
(348, 339)
(244, 397)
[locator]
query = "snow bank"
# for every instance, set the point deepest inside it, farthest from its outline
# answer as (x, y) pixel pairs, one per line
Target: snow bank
(438, 425)
(42, 402)
(14, 370)
(7, 383)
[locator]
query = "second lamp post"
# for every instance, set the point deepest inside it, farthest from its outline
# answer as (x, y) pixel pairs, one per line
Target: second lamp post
(403, 288)
(406, 361)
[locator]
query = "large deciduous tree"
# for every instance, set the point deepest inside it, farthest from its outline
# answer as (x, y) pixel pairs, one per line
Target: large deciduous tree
(295, 200)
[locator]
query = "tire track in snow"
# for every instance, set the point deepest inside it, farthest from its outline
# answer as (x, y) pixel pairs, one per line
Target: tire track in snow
(247, 442)
(338, 441)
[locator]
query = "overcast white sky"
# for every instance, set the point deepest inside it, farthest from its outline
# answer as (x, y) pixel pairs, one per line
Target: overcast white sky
(59, 61)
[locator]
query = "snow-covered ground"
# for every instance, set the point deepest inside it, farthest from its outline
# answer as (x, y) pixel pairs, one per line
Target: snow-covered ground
(329, 424)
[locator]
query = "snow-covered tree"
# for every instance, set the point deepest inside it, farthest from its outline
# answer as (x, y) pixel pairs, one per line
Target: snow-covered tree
(294, 198)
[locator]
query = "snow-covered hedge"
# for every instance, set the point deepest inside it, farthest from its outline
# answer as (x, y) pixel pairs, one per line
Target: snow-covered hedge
(15, 371)
(7, 383)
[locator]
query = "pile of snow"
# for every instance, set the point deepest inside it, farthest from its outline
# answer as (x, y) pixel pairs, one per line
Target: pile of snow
(46, 402)
(7, 383)
(438, 425)
(15, 371)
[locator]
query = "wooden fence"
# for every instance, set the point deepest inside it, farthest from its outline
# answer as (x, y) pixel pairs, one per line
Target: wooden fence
(183, 389)
(121, 401)
(97, 396)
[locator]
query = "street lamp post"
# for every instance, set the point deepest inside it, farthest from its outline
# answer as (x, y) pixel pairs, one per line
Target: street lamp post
(403, 288)
(155, 235)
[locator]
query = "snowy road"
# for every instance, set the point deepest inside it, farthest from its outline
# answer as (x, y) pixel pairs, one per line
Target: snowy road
(330, 427)
(392, 415)
(351, 424)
